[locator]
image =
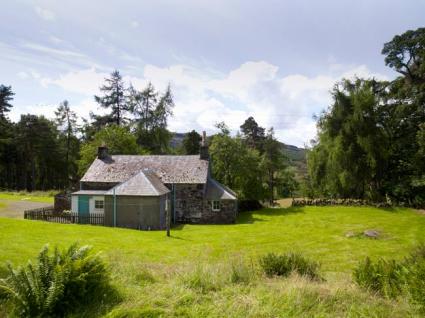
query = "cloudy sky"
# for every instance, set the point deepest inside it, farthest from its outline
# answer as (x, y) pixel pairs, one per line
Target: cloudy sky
(226, 60)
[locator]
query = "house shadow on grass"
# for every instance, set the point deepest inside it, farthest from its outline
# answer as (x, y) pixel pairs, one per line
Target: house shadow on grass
(251, 217)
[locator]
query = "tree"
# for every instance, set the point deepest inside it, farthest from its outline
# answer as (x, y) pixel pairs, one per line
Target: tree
(40, 162)
(272, 163)
(6, 96)
(114, 98)
(351, 156)
(66, 120)
(253, 134)
(236, 165)
(151, 111)
(118, 139)
(191, 143)
(406, 54)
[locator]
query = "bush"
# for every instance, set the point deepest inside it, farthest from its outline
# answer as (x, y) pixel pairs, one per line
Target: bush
(386, 277)
(249, 205)
(57, 283)
(416, 277)
(283, 265)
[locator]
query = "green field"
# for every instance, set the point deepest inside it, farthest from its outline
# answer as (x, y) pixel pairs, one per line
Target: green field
(38, 196)
(187, 274)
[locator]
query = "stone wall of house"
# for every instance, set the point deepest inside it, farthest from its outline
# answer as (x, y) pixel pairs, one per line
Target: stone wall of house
(190, 206)
(189, 203)
(227, 214)
(97, 185)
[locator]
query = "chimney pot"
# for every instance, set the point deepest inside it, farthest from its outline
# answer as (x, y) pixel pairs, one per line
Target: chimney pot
(102, 152)
(204, 155)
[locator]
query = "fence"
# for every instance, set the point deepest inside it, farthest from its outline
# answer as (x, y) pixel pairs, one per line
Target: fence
(48, 214)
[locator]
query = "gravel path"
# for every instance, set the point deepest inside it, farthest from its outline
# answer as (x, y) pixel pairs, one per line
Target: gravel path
(15, 209)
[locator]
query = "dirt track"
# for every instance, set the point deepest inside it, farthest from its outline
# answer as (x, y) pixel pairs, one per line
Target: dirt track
(15, 209)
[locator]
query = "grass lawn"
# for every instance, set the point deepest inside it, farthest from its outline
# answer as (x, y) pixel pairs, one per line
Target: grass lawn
(155, 274)
(37, 196)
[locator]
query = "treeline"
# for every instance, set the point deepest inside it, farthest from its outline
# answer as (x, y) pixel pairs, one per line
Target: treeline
(252, 163)
(371, 140)
(37, 153)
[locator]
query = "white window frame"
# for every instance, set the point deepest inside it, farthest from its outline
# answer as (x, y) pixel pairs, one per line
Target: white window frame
(99, 208)
(215, 208)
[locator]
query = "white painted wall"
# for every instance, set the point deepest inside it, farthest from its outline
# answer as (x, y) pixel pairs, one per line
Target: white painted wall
(91, 204)
(74, 203)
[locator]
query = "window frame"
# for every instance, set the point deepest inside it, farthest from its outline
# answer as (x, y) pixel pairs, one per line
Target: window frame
(98, 208)
(213, 208)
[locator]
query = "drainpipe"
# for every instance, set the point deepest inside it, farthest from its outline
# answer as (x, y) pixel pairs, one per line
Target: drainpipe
(174, 203)
(115, 208)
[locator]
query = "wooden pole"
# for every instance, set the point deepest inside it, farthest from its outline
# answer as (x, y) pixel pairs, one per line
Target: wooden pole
(167, 218)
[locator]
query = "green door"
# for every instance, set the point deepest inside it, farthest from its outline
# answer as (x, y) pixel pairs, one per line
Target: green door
(83, 209)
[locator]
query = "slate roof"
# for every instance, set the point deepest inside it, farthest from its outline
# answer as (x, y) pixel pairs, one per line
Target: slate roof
(169, 169)
(217, 191)
(144, 183)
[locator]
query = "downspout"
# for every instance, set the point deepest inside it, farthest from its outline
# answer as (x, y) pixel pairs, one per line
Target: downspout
(174, 203)
(115, 208)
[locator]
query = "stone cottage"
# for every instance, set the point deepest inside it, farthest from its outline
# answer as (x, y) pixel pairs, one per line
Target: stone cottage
(136, 191)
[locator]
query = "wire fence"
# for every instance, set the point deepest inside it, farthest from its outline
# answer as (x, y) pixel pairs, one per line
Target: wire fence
(48, 214)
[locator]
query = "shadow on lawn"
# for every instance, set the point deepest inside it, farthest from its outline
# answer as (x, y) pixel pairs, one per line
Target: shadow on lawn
(250, 217)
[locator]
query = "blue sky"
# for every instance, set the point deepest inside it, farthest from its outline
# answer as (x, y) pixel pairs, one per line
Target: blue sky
(225, 60)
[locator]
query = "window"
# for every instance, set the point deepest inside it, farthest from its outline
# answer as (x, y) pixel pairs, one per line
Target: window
(216, 206)
(98, 204)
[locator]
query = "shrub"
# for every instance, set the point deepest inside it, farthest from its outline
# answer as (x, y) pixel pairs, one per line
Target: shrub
(386, 277)
(57, 283)
(416, 276)
(283, 265)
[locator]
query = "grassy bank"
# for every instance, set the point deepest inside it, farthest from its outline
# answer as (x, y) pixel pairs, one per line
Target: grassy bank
(190, 274)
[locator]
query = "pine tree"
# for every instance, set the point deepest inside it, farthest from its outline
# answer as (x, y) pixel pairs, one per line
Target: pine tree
(191, 143)
(114, 98)
(66, 119)
(6, 96)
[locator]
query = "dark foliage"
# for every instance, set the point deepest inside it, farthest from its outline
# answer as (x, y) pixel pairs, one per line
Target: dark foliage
(371, 140)
(249, 205)
(284, 264)
(57, 284)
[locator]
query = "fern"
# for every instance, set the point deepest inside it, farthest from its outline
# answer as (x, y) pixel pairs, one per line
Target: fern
(57, 284)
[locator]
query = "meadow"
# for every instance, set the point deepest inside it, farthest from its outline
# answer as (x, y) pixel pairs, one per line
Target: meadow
(213, 271)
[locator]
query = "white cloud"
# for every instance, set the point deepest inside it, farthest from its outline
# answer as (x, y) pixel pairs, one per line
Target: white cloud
(205, 97)
(23, 75)
(45, 14)
(135, 24)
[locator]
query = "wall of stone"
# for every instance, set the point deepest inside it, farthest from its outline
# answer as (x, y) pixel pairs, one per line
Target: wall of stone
(190, 206)
(226, 215)
(189, 203)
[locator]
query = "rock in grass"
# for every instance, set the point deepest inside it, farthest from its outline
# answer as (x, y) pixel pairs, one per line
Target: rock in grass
(374, 234)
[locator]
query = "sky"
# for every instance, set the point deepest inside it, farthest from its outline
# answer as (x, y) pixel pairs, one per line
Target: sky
(225, 60)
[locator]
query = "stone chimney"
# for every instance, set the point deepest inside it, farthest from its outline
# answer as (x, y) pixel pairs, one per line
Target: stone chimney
(203, 149)
(102, 152)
